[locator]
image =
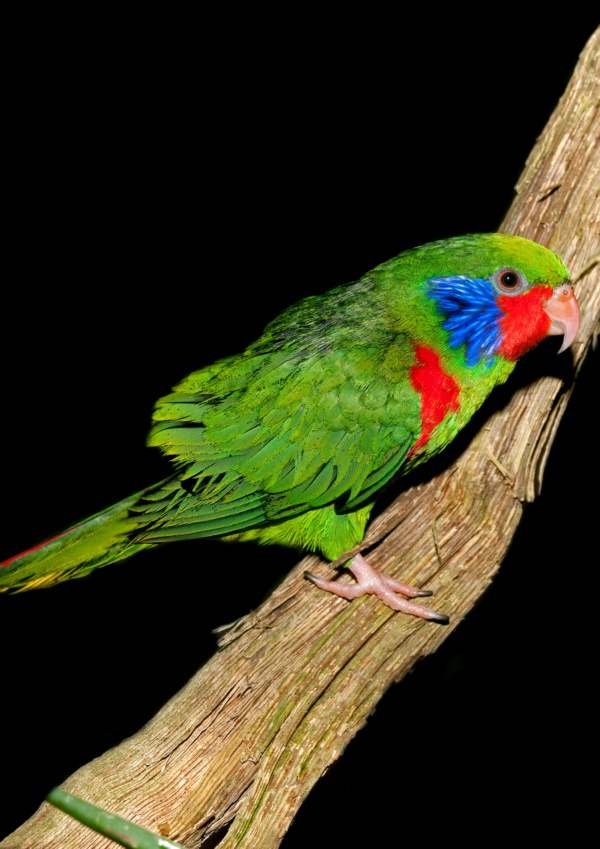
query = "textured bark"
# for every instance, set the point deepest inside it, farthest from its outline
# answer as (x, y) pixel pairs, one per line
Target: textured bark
(292, 683)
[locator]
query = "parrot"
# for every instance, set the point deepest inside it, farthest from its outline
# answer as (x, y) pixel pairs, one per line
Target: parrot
(291, 441)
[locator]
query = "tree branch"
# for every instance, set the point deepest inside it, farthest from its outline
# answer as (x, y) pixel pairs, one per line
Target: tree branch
(293, 682)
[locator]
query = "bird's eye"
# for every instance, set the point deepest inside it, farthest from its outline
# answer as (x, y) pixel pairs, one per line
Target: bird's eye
(509, 281)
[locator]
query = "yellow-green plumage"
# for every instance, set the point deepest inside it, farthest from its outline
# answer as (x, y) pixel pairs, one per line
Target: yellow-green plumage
(291, 441)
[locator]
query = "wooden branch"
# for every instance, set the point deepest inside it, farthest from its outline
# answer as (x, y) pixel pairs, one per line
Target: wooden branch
(292, 683)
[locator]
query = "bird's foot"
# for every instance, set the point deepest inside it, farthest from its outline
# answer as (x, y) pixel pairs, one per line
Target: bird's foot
(369, 580)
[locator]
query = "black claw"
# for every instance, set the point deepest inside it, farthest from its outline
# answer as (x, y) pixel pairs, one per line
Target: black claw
(310, 576)
(425, 592)
(441, 618)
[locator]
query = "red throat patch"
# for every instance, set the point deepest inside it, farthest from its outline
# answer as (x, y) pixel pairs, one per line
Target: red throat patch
(525, 322)
(439, 392)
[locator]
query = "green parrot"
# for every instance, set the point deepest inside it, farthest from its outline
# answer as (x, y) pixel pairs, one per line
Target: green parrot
(292, 440)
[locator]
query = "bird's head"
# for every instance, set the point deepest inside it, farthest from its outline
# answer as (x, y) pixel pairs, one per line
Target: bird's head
(506, 294)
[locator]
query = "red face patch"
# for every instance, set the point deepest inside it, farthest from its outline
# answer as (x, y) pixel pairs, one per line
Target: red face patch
(439, 392)
(525, 322)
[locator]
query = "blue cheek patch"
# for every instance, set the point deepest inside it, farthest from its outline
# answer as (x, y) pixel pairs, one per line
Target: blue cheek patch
(472, 315)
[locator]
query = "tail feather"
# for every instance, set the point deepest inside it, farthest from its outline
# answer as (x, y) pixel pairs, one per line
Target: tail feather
(97, 541)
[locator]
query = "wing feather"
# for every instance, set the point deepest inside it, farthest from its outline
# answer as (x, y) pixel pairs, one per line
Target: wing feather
(263, 437)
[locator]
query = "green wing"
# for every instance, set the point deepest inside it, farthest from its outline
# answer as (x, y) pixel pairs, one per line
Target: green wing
(99, 540)
(263, 437)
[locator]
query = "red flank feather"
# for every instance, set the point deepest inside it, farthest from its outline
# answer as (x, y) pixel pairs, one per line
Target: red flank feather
(439, 392)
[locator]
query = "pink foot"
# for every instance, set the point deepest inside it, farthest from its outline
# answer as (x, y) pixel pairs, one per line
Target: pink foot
(369, 580)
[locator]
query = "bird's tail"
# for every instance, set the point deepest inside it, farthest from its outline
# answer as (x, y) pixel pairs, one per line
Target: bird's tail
(101, 539)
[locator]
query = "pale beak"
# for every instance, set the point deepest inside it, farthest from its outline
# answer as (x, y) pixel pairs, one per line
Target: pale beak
(563, 310)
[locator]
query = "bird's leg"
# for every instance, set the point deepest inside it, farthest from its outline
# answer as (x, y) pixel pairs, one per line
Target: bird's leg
(369, 580)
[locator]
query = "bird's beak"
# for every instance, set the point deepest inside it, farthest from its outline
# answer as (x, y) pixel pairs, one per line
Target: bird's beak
(563, 311)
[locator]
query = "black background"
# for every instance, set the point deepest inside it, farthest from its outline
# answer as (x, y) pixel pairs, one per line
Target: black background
(167, 200)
